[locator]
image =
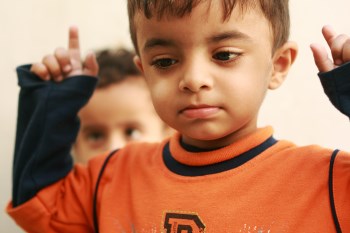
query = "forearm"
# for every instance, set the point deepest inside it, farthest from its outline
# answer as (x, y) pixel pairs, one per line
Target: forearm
(47, 125)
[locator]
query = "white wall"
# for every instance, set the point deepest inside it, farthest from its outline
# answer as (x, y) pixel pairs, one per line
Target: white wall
(299, 110)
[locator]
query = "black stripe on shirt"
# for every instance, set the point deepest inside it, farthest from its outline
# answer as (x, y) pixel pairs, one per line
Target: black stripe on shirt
(186, 170)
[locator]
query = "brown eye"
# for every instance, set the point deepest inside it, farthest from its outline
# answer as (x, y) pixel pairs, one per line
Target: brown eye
(164, 63)
(95, 136)
(225, 56)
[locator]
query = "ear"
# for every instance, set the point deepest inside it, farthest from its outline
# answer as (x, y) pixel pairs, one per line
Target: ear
(138, 63)
(282, 60)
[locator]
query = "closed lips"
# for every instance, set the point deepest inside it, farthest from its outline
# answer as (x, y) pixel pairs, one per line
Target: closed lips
(199, 111)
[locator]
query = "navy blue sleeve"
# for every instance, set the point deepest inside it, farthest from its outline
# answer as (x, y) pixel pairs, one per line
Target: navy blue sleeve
(336, 85)
(47, 125)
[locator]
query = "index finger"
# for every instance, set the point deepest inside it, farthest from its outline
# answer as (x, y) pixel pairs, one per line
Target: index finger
(73, 38)
(329, 34)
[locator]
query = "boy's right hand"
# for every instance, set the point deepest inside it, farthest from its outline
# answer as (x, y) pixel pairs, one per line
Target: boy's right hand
(65, 63)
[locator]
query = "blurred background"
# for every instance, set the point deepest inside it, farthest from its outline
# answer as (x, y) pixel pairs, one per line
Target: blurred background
(29, 29)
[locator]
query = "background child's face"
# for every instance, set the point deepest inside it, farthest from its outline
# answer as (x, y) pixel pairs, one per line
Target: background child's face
(207, 77)
(115, 115)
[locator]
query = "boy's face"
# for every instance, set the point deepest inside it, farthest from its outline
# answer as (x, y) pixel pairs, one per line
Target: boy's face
(116, 115)
(207, 77)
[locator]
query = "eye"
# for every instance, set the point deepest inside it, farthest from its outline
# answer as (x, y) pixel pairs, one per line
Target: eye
(225, 56)
(163, 63)
(132, 134)
(95, 136)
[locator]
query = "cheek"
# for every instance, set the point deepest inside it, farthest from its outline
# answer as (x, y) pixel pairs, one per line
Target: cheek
(163, 94)
(81, 151)
(244, 89)
(79, 145)
(83, 148)
(255, 74)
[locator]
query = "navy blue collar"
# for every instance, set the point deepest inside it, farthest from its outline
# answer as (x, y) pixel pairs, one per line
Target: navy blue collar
(186, 170)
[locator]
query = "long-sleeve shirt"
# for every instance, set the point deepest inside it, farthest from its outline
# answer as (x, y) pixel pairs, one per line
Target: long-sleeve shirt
(256, 184)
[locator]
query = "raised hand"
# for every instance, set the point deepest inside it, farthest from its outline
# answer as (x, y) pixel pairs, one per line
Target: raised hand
(339, 45)
(65, 63)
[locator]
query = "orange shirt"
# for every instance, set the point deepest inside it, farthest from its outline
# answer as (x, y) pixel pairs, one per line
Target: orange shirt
(281, 188)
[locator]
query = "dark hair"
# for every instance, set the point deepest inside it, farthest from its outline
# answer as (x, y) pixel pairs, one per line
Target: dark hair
(275, 11)
(115, 65)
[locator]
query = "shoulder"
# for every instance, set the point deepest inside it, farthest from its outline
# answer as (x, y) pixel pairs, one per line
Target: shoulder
(310, 151)
(311, 160)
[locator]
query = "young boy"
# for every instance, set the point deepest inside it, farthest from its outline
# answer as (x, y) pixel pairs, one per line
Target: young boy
(208, 65)
(119, 111)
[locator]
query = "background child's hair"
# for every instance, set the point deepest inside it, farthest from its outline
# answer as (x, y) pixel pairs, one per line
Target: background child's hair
(115, 65)
(275, 11)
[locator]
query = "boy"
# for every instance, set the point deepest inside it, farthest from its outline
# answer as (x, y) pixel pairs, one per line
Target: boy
(208, 65)
(119, 111)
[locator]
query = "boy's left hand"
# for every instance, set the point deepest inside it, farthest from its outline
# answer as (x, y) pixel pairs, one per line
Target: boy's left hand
(339, 45)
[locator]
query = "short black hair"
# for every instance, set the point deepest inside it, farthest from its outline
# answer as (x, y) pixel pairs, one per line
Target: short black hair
(115, 65)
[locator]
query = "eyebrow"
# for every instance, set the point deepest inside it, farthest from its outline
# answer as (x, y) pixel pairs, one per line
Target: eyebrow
(93, 126)
(229, 35)
(154, 42)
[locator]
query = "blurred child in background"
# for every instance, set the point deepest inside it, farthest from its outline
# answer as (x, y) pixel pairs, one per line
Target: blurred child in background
(120, 110)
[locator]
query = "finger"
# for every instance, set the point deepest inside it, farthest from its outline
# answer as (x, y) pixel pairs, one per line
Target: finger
(346, 51)
(41, 71)
(335, 43)
(323, 62)
(53, 67)
(74, 44)
(74, 50)
(90, 65)
(62, 56)
(73, 38)
(329, 34)
(337, 48)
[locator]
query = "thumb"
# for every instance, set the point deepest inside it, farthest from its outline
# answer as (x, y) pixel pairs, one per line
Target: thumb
(90, 65)
(323, 62)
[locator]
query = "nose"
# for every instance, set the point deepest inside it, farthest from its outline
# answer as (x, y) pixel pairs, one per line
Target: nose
(195, 76)
(116, 141)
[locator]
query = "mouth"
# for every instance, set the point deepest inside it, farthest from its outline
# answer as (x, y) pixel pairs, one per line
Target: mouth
(199, 111)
